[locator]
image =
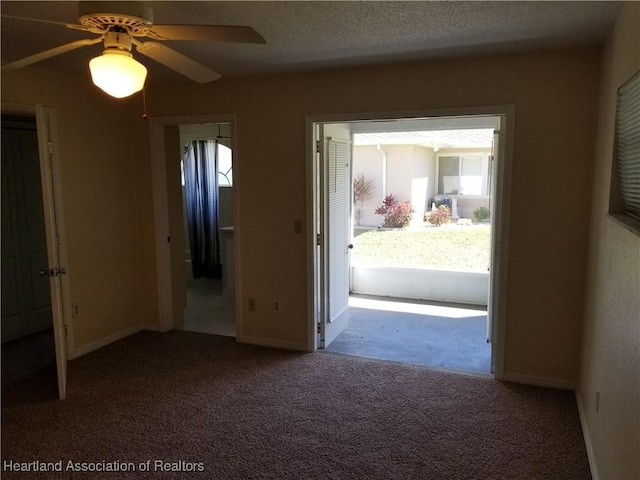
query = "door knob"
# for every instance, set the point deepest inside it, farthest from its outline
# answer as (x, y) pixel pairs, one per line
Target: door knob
(53, 272)
(350, 246)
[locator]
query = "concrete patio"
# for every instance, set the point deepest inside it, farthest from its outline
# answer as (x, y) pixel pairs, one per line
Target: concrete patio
(442, 336)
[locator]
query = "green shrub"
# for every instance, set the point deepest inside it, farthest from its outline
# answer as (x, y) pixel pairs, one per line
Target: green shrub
(481, 213)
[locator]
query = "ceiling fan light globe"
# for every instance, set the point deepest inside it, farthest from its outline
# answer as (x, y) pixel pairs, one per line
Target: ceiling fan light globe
(117, 73)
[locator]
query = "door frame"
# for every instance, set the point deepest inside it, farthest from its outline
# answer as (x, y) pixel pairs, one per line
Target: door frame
(500, 253)
(55, 231)
(161, 209)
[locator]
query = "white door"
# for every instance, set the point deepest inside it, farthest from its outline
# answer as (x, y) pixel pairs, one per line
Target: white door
(334, 234)
(495, 246)
(56, 239)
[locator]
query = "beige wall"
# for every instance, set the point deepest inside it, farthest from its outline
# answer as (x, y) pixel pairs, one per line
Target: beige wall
(107, 202)
(611, 347)
(555, 125)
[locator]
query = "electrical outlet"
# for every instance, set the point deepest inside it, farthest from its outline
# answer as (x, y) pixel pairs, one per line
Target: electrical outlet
(75, 310)
(276, 306)
(597, 401)
(252, 304)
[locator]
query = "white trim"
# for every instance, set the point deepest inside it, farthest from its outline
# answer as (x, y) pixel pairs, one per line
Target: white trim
(105, 341)
(507, 112)
(587, 438)
(539, 381)
(311, 179)
(502, 221)
(161, 223)
(267, 342)
(161, 210)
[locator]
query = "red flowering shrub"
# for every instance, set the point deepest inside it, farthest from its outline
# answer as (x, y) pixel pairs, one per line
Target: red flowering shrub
(395, 214)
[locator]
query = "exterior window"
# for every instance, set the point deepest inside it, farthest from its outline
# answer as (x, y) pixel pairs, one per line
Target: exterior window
(449, 175)
(462, 175)
(225, 166)
(628, 145)
(471, 177)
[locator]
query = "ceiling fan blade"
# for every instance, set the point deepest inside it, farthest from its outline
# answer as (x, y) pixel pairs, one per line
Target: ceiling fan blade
(178, 62)
(50, 22)
(67, 47)
(41, 20)
(206, 33)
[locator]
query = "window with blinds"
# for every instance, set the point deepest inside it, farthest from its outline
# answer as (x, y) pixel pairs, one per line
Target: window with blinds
(628, 145)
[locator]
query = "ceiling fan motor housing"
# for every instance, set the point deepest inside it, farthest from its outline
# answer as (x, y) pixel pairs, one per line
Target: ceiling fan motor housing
(119, 40)
(132, 16)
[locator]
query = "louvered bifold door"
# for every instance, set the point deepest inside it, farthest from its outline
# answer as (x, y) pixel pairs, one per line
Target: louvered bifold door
(339, 194)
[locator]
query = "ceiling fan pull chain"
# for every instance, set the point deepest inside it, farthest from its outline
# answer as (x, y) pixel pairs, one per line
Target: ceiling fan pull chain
(144, 103)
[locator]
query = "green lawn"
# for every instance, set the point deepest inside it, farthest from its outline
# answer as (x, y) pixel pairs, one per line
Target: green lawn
(449, 247)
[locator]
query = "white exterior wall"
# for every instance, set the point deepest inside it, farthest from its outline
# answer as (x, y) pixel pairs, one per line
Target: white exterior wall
(408, 167)
(423, 181)
(422, 284)
(399, 170)
(367, 160)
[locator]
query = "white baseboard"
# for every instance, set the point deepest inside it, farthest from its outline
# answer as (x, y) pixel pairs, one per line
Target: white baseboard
(266, 342)
(587, 438)
(539, 381)
(83, 350)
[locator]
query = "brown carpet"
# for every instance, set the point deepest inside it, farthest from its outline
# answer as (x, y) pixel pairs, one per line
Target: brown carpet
(244, 412)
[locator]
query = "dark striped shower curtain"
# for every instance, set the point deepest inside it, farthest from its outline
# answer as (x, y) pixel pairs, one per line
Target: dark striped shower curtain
(200, 168)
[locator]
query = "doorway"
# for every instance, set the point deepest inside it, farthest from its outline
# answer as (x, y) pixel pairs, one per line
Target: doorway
(169, 218)
(33, 250)
(208, 206)
(413, 161)
(26, 300)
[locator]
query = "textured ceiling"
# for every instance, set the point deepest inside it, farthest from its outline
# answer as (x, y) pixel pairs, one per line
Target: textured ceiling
(313, 35)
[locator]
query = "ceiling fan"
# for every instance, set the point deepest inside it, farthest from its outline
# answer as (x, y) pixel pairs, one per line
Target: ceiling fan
(119, 25)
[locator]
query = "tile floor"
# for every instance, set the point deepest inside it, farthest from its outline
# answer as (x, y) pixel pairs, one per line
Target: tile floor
(208, 311)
